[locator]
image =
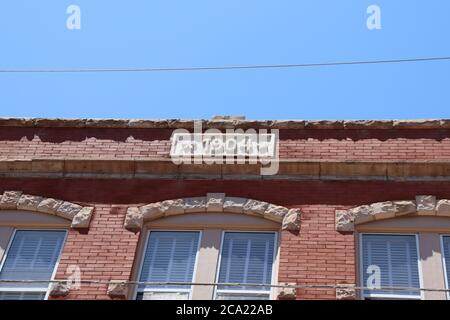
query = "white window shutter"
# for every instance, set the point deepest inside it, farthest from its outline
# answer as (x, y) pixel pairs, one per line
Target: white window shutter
(32, 255)
(247, 257)
(169, 257)
(397, 259)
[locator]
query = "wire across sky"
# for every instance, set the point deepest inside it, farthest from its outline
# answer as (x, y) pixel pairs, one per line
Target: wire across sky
(236, 67)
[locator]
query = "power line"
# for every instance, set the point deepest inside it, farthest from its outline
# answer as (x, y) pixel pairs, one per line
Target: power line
(236, 67)
(226, 284)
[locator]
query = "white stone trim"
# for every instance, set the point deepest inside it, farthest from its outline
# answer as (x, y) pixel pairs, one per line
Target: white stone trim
(16, 200)
(212, 202)
(423, 205)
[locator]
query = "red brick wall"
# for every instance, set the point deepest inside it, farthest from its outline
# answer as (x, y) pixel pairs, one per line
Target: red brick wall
(317, 255)
(91, 143)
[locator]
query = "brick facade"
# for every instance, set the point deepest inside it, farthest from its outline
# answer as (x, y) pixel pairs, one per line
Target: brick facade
(317, 254)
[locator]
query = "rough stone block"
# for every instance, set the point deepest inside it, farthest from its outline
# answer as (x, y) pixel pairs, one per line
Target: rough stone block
(83, 218)
(426, 205)
(292, 220)
(10, 199)
(234, 204)
(214, 202)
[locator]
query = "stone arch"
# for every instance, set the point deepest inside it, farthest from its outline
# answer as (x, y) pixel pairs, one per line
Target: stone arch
(16, 200)
(424, 205)
(212, 202)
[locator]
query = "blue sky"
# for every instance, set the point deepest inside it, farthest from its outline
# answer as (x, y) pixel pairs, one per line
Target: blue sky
(176, 33)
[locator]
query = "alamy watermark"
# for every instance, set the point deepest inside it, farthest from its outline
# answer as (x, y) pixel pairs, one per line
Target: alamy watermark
(374, 20)
(234, 146)
(374, 278)
(73, 21)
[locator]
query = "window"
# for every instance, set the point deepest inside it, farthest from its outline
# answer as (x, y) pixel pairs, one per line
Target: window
(396, 259)
(32, 255)
(246, 257)
(170, 256)
(446, 256)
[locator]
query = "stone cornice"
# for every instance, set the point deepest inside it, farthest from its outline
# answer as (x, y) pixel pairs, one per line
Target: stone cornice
(288, 170)
(15, 200)
(226, 124)
(212, 202)
(424, 205)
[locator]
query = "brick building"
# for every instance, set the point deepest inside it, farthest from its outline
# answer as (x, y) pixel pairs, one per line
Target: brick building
(352, 202)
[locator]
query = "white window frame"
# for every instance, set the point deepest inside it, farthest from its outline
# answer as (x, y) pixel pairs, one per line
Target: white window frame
(447, 287)
(55, 269)
(250, 292)
(361, 271)
(141, 263)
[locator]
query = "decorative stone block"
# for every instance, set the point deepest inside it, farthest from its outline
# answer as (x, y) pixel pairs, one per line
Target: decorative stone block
(28, 202)
(195, 204)
(68, 210)
(173, 207)
(405, 207)
(10, 199)
(255, 207)
(49, 205)
(275, 213)
(152, 211)
(59, 289)
(287, 293)
(443, 208)
(234, 204)
(361, 214)
(214, 202)
(82, 218)
(346, 292)
(133, 219)
(344, 221)
(291, 220)
(426, 205)
(383, 210)
(118, 289)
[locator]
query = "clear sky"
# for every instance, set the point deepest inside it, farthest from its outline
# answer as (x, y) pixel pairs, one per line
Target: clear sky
(180, 33)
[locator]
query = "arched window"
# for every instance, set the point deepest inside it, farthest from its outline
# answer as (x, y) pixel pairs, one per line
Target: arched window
(209, 240)
(32, 235)
(403, 246)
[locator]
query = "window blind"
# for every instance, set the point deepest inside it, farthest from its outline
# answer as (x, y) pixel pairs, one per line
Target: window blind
(247, 257)
(169, 257)
(446, 253)
(32, 255)
(397, 259)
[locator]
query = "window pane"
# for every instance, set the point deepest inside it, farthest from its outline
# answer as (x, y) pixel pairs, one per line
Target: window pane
(169, 257)
(247, 257)
(162, 296)
(241, 296)
(446, 247)
(395, 256)
(32, 255)
(22, 295)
